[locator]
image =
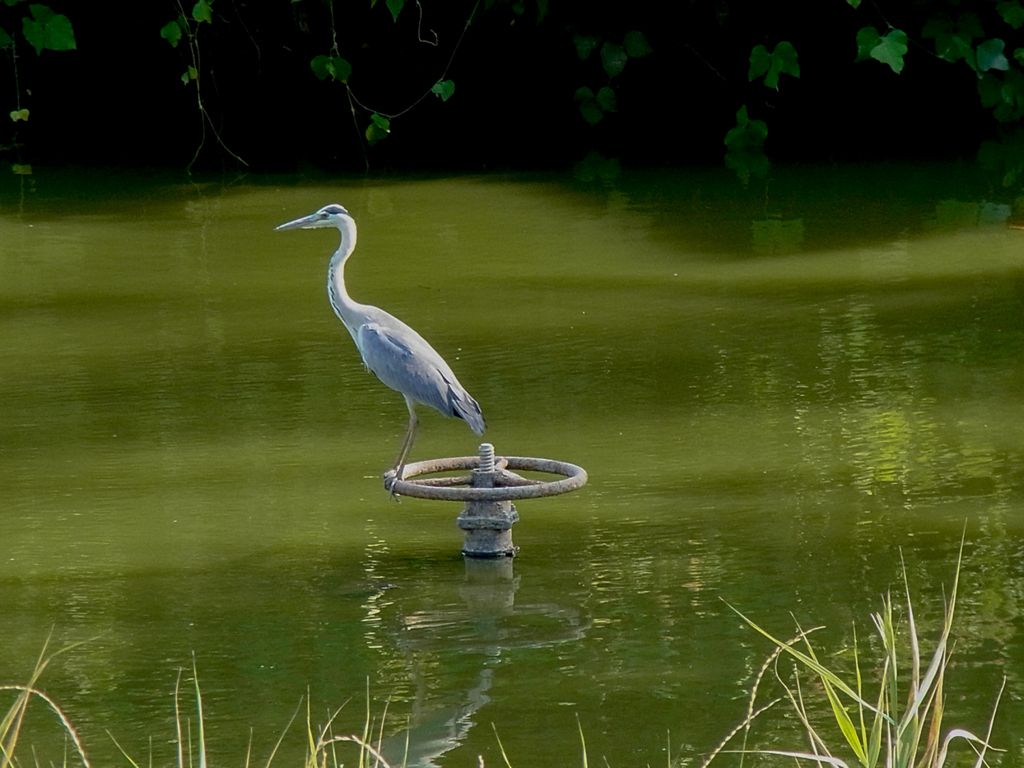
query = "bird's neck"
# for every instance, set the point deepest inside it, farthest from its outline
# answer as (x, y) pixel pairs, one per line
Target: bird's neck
(344, 307)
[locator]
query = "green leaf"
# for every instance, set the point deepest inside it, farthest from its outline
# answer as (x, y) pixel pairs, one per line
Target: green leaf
(596, 166)
(589, 107)
(19, 114)
(319, 66)
(742, 119)
(636, 45)
(378, 129)
(203, 12)
(968, 23)
(853, 3)
(171, 32)
(33, 32)
(1012, 13)
(990, 90)
(606, 100)
(954, 41)
(444, 89)
(785, 56)
(747, 133)
(867, 39)
(334, 67)
(892, 49)
(953, 47)
(59, 34)
(41, 13)
(1012, 109)
(1018, 55)
(747, 162)
(1003, 95)
(339, 69)
(938, 24)
(591, 112)
(990, 56)
(593, 107)
(613, 58)
(782, 60)
(585, 45)
(46, 29)
(1005, 157)
(395, 6)
(760, 61)
(5, 39)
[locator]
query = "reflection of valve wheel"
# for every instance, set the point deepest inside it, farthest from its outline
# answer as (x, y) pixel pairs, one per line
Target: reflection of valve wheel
(488, 492)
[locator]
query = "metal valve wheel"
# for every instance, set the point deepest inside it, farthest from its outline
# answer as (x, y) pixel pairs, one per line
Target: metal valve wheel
(488, 492)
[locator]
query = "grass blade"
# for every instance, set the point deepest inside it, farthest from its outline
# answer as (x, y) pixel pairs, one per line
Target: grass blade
(905, 730)
(991, 722)
(845, 723)
(823, 672)
(501, 747)
(837, 762)
(199, 708)
(875, 741)
(583, 741)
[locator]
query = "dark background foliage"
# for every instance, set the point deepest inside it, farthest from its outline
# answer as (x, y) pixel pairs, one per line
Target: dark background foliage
(119, 100)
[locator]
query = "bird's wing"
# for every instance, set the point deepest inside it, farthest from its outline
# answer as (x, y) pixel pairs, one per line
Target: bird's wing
(404, 361)
(382, 344)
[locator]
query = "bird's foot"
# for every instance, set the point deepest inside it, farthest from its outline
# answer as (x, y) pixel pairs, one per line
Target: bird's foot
(391, 477)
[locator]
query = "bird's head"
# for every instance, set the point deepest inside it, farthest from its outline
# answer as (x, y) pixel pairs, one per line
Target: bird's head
(332, 215)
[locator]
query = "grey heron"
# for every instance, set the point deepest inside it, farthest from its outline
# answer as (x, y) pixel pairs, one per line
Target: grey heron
(399, 356)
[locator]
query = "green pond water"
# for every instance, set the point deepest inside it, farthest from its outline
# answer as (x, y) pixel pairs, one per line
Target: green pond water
(776, 392)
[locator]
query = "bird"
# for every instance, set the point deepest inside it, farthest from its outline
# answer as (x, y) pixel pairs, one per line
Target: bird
(398, 355)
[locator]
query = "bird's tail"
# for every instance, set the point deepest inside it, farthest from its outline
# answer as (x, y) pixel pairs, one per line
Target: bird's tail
(467, 409)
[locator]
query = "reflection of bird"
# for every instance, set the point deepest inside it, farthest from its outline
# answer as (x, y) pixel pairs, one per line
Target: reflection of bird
(399, 356)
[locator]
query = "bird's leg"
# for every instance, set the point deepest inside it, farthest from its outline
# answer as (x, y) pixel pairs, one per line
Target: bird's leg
(410, 435)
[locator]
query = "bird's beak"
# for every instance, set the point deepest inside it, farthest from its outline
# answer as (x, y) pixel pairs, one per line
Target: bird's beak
(304, 223)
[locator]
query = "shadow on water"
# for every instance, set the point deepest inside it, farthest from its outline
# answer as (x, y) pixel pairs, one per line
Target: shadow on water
(775, 391)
